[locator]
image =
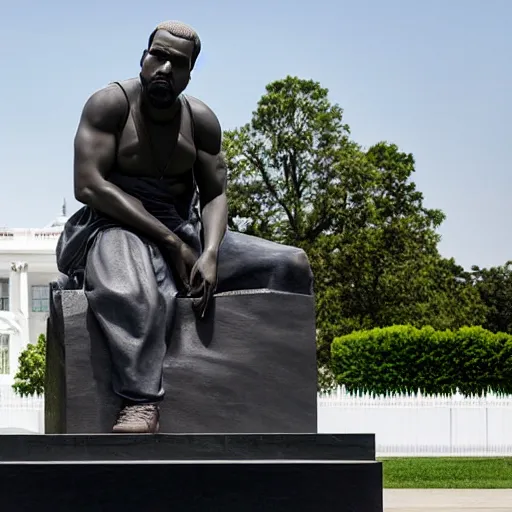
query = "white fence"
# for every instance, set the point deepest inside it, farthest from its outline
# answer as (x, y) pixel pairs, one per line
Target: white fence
(404, 425)
(18, 415)
(415, 425)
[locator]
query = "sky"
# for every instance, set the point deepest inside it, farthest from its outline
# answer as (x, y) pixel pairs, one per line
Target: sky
(432, 77)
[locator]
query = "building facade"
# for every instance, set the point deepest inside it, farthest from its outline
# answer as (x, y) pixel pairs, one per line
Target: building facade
(27, 266)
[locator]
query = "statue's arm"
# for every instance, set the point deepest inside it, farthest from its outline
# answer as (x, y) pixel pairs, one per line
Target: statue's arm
(210, 173)
(95, 153)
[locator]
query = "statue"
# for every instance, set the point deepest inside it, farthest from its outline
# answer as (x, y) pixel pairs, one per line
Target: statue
(149, 170)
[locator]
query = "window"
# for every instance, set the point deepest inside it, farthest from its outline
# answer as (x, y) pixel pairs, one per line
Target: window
(4, 354)
(4, 294)
(40, 299)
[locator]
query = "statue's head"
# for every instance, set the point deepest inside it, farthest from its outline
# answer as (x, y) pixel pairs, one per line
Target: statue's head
(166, 64)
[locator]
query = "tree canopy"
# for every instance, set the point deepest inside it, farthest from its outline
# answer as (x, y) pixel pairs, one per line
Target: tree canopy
(494, 285)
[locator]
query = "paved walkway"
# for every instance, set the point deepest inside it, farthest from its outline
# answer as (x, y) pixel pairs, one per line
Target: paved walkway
(448, 500)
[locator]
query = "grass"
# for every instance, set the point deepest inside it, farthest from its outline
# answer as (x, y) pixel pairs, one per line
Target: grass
(447, 473)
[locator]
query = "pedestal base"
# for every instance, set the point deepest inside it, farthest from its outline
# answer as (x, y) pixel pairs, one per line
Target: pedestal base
(211, 473)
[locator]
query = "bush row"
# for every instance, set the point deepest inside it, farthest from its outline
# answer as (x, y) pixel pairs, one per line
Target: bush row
(403, 358)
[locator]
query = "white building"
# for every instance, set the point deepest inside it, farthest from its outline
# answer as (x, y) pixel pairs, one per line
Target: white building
(27, 266)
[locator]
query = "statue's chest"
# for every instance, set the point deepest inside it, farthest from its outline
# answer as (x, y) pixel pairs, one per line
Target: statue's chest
(155, 150)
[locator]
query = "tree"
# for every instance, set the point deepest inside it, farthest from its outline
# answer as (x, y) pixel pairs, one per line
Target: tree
(29, 380)
(388, 270)
(494, 286)
(297, 178)
(395, 271)
(293, 166)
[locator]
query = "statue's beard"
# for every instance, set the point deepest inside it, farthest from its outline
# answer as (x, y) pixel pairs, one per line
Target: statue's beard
(159, 92)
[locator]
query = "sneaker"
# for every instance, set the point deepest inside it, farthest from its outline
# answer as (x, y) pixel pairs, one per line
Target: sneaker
(138, 419)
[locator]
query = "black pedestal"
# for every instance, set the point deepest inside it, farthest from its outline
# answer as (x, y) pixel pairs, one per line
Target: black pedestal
(190, 473)
(251, 367)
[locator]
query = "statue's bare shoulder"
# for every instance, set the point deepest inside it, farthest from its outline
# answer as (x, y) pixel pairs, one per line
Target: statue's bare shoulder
(95, 140)
(105, 109)
(207, 129)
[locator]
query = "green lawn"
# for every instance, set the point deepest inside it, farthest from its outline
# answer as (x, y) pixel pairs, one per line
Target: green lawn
(447, 473)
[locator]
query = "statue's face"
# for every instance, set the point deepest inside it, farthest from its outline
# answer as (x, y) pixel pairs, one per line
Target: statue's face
(165, 70)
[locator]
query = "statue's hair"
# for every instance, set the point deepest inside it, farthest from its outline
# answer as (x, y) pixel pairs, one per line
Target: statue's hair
(179, 29)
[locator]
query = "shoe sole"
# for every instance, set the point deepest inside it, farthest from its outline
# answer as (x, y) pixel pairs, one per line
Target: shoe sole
(155, 431)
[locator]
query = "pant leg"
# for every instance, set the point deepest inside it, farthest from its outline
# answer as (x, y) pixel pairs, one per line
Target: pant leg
(248, 262)
(131, 293)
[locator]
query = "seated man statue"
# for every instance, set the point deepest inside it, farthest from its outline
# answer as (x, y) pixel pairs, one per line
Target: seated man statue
(149, 170)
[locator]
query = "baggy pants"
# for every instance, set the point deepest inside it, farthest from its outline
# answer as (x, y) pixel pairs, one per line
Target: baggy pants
(132, 294)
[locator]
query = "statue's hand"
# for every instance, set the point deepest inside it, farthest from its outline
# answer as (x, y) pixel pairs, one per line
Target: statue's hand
(203, 281)
(183, 259)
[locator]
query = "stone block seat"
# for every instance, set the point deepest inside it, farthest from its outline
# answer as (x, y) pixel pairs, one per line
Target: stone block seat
(250, 367)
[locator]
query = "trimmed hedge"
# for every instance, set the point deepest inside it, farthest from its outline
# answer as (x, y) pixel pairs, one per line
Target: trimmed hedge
(403, 358)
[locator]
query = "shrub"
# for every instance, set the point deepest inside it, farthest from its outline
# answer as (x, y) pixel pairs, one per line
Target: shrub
(403, 358)
(29, 380)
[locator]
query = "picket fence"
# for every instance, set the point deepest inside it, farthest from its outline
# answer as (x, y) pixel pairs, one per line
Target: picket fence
(416, 425)
(20, 415)
(404, 425)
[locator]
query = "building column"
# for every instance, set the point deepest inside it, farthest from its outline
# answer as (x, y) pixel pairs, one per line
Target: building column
(14, 289)
(19, 305)
(24, 293)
